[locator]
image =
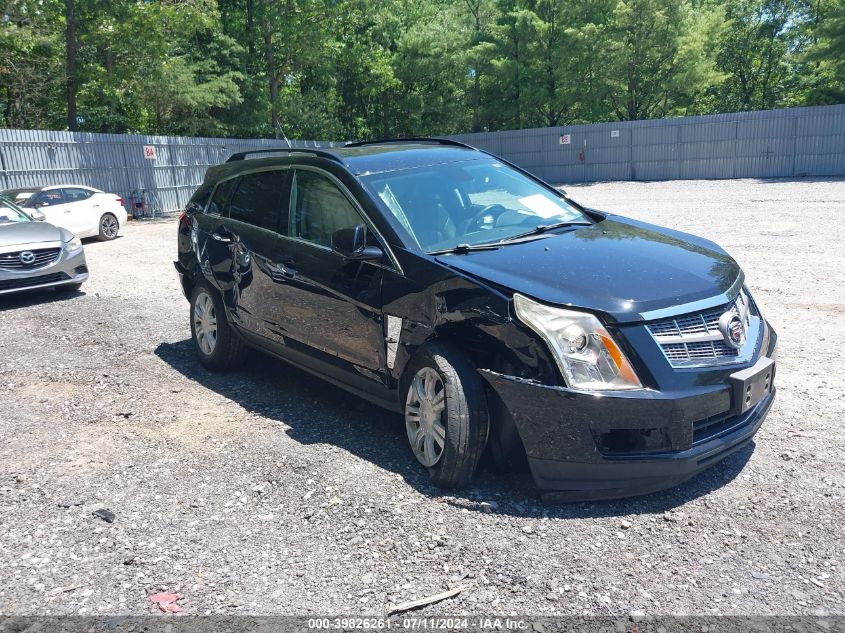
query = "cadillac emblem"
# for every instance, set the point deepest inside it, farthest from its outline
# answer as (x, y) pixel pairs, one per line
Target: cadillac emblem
(733, 329)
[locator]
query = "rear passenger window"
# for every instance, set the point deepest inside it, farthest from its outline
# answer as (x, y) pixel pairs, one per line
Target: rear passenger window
(75, 195)
(257, 200)
(198, 200)
(219, 204)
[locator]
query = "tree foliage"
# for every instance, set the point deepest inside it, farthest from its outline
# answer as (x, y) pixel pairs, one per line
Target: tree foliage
(334, 69)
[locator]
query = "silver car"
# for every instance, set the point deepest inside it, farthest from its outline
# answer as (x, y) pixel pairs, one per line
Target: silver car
(37, 254)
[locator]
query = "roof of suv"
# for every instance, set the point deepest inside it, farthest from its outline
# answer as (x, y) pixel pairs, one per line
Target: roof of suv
(379, 156)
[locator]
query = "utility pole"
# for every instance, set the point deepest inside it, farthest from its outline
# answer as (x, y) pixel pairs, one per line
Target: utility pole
(71, 46)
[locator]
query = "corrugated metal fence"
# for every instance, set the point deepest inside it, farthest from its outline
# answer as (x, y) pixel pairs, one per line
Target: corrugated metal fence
(775, 143)
(118, 163)
(794, 142)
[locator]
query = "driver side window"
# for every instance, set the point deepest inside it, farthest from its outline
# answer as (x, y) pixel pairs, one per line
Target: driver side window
(318, 209)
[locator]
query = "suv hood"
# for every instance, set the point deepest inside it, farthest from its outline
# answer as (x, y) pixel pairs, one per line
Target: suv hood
(617, 266)
(30, 233)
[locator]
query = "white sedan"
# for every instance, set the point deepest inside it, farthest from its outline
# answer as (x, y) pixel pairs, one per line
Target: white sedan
(84, 211)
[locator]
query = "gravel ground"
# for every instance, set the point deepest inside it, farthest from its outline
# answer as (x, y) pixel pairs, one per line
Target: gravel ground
(265, 491)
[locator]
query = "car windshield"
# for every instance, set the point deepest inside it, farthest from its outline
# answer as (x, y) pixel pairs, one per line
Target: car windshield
(10, 212)
(18, 196)
(471, 202)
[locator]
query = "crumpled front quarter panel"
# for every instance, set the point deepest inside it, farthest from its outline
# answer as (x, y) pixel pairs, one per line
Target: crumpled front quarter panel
(434, 301)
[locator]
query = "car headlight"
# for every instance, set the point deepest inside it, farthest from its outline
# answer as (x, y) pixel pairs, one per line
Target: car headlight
(750, 302)
(73, 244)
(584, 351)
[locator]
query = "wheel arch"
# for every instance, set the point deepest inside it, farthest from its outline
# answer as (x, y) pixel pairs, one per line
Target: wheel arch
(485, 350)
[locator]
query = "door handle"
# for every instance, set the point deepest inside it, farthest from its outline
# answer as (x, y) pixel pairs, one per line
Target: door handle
(288, 269)
(221, 238)
(281, 270)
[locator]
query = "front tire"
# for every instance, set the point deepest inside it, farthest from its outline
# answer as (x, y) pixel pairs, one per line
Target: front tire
(445, 414)
(216, 344)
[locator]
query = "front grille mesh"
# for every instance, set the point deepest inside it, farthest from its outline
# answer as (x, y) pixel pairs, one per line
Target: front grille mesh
(702, 323)
(701, 350)
(43, 257)
(671, 332)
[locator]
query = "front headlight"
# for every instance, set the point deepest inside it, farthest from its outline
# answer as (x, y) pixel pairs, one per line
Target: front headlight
(584, 351)
(73, 244)
(749, 302)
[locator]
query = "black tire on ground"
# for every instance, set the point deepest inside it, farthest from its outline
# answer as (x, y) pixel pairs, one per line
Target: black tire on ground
(465, 413)
(109, 227)
(68, 287)
(228, 350)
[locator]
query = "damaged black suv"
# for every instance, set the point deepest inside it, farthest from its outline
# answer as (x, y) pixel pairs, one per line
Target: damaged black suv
(611, 356)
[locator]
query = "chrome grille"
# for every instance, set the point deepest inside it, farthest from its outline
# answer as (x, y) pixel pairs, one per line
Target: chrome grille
(704, 323)
(698, 351)
(695, 339)
(43, 257)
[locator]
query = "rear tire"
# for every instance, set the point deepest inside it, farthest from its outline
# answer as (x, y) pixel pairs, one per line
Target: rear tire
(445, 414)
(109, 227)
(217, 345)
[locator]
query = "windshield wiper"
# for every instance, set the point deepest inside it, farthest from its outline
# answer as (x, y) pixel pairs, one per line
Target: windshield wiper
(544, 228)
(530, 236)
(466, 248)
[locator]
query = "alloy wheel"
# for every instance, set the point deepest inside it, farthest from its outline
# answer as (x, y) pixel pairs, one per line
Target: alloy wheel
(205, 323)
(109, 226)
(425, 409)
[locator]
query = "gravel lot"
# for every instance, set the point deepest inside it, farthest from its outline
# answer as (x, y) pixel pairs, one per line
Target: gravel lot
(265, 491)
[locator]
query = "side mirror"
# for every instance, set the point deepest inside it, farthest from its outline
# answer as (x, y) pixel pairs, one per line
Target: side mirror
(37, 216)
(352, 244)
(40, 204)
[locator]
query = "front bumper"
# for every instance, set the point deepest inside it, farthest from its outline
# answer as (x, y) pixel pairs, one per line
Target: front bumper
(68, 269)
(583, 446)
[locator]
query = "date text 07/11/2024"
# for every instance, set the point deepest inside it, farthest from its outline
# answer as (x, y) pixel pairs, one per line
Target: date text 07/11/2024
(418, 623)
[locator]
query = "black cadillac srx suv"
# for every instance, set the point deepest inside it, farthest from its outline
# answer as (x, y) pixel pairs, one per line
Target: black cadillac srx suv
(612, 356)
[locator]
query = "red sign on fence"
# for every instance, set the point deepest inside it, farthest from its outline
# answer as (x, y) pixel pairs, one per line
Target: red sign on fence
(564, 139)
(150, 152)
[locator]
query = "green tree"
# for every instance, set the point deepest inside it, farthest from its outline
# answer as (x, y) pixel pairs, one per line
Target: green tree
(659, 57)
(336, 69)
(429, 64)
(823, 65)
(32, 65)
(755, 54)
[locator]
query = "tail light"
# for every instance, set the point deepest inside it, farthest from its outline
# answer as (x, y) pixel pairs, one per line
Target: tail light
(119, 201)
(183, 218)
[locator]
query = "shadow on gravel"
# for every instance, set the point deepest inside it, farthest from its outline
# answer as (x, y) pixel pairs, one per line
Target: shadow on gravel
(27, 298)
(94, 241)
(320, 413)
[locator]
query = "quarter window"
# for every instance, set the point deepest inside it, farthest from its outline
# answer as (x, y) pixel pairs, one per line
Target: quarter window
(257, 200)
(319, 208)
(219, 204)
